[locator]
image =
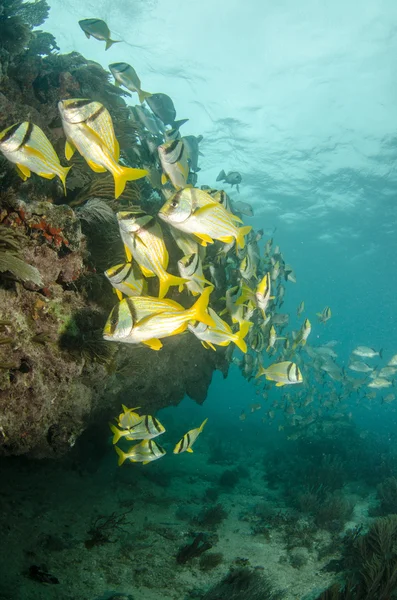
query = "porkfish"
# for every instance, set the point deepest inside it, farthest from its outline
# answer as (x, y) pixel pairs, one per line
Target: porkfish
(194, 211)
(89, 128)
(186, 443)
(25, 145)
(146, 320)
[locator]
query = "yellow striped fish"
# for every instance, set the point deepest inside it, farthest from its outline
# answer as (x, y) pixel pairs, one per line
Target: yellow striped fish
(128, 417)
(143, 240)
(145, 452)
(144, 320)
(25, 145)
(146, 428)
(186, 443)
(220, 334)
(191, 269)
(194, 211)
(89, 128)
(173, 158)
(126, 279)
(284, 373)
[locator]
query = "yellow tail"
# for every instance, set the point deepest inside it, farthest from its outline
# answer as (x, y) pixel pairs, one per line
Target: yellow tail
(122, 456)
(202, 425)
(261, 371)
(123, 175)
(167, 280)
(116, 431)
(110, 43)
(240, 335)
(241, 232)
(63, 175)
(198, 312)
(143, 95)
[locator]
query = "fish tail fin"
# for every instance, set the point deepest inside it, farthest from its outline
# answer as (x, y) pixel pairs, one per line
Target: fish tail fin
(122, 456)
(110, 43)
(63, 175)
(261, 371)
(116, 432)
(143, 95)
(167, 280)
(199, 312)
(240, 335)
(381, 353)
(179, 123)
(242, 231)
(202, 425)
(221, 176)
(126, 174)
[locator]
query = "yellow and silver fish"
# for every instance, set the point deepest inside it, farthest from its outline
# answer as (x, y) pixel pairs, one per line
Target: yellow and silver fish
(186, 443)
(146, 428)
(147, 320)
(220, 334)
(98, 30)
(145, 452)
(300, 309)
(191, 269)
(128, 417)
(284, 373)
(194, 211)
(89, 129)
(235, 310)
(303, 334)
(143, 240)
(126, 279)
(173, 158)
(25, 145)
(325, 315)
(262, 294)
(272, 339)
(221, 197)
(186, 243)
(126, 75)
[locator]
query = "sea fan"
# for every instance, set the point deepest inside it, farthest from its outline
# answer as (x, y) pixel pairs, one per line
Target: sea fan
(96, 211)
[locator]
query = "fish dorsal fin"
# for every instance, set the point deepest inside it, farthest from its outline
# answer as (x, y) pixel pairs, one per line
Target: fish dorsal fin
(70, 149)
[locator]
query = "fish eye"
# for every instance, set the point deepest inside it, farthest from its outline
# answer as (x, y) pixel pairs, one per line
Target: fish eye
(174, 203)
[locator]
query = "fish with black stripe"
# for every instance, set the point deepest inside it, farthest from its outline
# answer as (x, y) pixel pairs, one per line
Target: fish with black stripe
(143, 240)
(126, 279)
(283, 373)
(185, 444)
(98, 30)
(174, 162)
(145, 452)
(191, 268)
(146, 428)
(89, 128)
(25, 145)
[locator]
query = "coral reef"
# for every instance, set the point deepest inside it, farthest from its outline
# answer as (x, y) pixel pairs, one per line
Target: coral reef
(244, 584)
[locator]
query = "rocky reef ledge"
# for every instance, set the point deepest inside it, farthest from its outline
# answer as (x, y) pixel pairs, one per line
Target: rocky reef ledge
(57, 375)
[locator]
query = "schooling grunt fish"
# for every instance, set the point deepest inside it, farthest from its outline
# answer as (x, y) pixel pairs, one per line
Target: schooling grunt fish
(126, 279)
(232, 178)
(366, 352)
(194, 211)
(25, 145)
(191, 143)
(324, 315)
(163, 107)
(145, 452)
(190, 268)
(150, 324)
(143, 240)
(186, 443)
(126, 75)
(98, 30)
(173, 158)
(284, 373)
(88, 128)
(220, 334)
(146, 428)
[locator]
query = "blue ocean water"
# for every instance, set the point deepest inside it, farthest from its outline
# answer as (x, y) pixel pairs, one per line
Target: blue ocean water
(300, 99)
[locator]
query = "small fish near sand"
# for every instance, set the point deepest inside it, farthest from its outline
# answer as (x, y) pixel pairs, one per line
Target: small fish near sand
(232, 178)
(25, 145)
(186, 443)
(98, 30)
